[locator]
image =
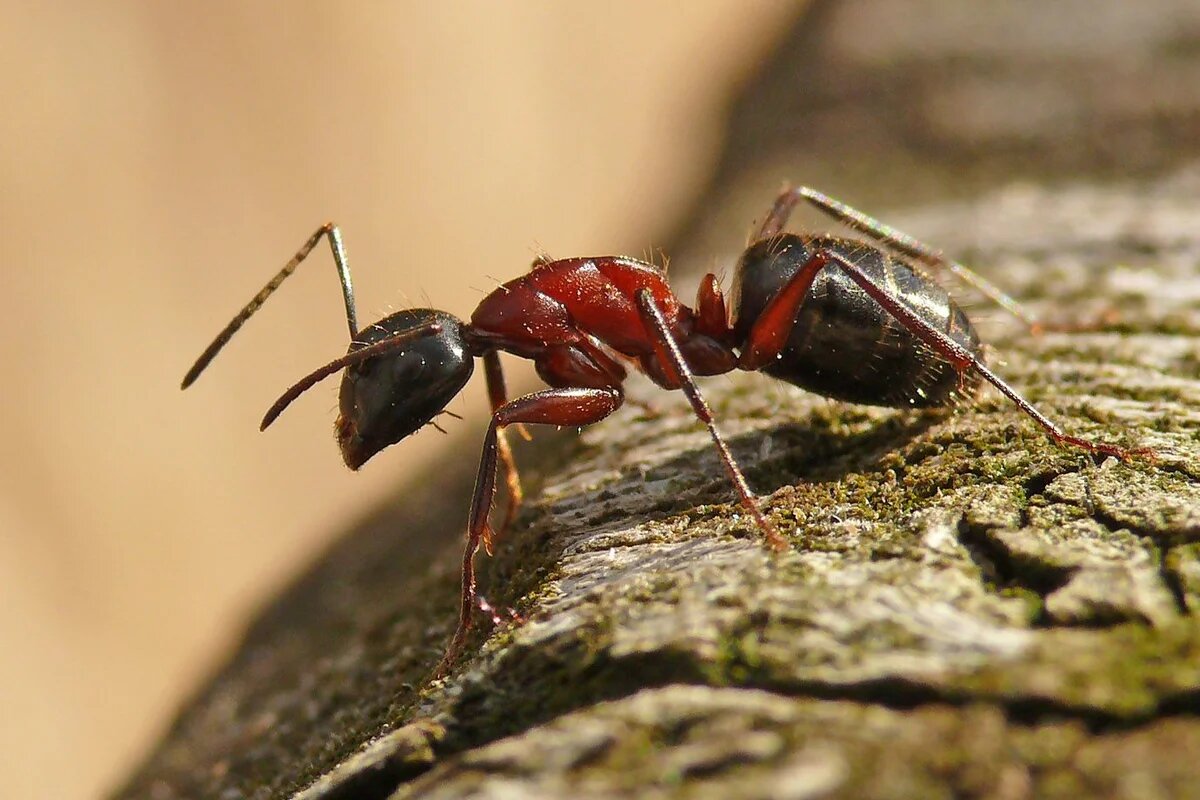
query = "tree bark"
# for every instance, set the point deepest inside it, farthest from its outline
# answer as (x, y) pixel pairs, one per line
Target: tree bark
(967, 609)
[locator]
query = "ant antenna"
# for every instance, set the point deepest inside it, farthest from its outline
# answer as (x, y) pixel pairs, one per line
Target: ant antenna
(339, 258)
(357, 356)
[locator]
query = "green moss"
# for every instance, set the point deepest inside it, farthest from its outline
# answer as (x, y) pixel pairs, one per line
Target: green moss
(1130, 671)
(737, 661)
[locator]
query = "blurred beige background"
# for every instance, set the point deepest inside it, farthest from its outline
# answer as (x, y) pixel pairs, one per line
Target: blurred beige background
(158, 163)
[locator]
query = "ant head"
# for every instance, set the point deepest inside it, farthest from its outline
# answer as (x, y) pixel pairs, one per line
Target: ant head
(389, 396)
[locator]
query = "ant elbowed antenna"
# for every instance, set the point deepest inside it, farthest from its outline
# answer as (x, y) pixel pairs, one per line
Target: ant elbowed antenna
(837, 316)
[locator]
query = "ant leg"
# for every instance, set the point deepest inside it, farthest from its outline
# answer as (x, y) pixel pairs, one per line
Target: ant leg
(712, 317)
(667, 350)
(962, 359)
(897, 240)
(498, 395)
(770, 331)
(339, 257)
(568, 407)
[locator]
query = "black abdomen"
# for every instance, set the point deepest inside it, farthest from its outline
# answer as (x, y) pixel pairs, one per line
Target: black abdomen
(844, 344)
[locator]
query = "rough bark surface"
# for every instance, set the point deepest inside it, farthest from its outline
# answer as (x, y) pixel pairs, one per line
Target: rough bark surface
(967, 610)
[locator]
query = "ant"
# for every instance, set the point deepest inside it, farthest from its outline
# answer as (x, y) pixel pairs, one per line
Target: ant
(833, 315)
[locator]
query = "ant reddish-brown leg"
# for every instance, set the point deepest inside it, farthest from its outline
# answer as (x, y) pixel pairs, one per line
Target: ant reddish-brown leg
(567, 407)
(962, 360)
(899, 241)
(339, 258)
(712, 317)
(498, 395)
(773, 326)
(667, 350)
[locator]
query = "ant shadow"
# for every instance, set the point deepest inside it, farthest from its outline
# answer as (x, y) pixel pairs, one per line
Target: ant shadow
(824, 447)
(811, 451)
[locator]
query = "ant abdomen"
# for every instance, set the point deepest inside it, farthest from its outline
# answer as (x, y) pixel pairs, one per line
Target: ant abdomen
(844, 344)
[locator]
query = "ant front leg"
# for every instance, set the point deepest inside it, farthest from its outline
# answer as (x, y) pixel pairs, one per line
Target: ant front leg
(565, 407)
(669, 355)
(898, 241)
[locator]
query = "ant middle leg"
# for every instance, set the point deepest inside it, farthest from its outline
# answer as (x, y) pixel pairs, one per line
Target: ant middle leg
(565, 407)
(898, 241)
(669, 355)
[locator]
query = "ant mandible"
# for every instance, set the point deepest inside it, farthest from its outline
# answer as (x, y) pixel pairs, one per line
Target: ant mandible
(833, 315)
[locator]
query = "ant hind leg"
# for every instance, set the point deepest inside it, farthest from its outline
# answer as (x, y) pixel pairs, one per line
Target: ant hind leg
(963, 360)
(900, 243)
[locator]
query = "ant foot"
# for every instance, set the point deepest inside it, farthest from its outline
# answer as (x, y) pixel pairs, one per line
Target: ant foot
(453, 650)
(498, 617)
(1126, 454)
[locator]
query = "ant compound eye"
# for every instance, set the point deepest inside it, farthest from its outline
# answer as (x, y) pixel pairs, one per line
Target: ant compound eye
(386, 398)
